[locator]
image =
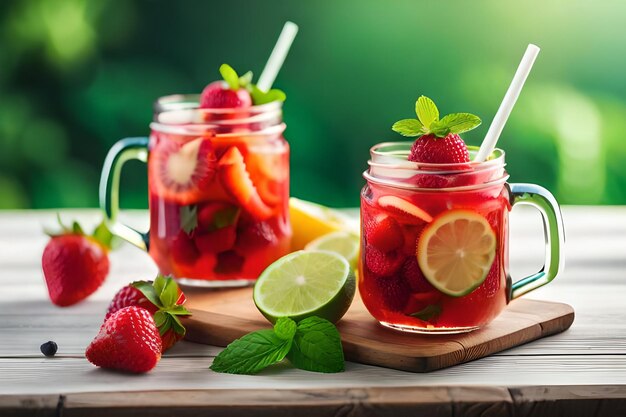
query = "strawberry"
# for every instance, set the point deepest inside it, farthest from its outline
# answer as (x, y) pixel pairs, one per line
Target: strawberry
(75, 264)
(183, 249)
(236, 180)
(381, 263)
(181, 172)
(218, 240)
(447, 150)
(229, 262)
(412, 274)
(438, 140)
(216, 231)
(162, 298)
(383, 232)
(230, 93)
(127, 341)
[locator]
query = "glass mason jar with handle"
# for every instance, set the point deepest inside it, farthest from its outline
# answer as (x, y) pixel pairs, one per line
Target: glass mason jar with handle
(434, 241)
(218, 184)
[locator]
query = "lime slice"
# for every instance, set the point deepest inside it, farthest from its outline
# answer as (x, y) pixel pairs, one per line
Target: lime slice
(344, 243)
(310, 221)
(456, 250)
(304, 284)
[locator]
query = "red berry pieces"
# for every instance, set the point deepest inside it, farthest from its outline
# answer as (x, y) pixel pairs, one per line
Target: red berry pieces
(229, 262)
(128, 341)
(218, 95)
(181, 172)
(383, 232)
(431, 149)
(218, 240)
(394, 292)
(183, 249)
(256, 235)
(74, 264)
(412, 274)
(236, 180)
(381, 263)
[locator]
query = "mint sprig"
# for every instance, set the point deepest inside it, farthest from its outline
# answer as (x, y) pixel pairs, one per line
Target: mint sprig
(313, 344)
(428, 121)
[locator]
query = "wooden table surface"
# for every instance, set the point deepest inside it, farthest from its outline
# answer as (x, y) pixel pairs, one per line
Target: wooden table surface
(579, 372)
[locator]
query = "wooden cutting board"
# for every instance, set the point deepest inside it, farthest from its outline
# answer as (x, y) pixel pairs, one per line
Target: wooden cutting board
(221, 316)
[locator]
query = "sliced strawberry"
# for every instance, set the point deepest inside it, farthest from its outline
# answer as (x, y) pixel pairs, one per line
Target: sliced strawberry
(127, 341)
(383, 232)
(181, 173)
(381, 263)
(236, 180)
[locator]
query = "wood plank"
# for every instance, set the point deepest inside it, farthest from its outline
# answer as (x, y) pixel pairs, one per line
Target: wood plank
(219, 317)
(29, 405)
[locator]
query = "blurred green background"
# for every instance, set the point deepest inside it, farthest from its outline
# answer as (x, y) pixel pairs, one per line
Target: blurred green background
(77, 75)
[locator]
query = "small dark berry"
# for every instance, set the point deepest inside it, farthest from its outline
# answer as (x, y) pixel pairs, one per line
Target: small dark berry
(49, 349)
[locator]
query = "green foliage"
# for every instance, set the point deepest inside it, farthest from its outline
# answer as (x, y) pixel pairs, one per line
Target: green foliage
(77, 75)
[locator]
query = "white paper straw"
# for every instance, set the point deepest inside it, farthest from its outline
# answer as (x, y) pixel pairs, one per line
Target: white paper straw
(503, 113)
(279, 53)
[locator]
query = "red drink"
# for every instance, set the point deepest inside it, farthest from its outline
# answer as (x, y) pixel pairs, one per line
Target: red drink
(392, 284)
(219, 190)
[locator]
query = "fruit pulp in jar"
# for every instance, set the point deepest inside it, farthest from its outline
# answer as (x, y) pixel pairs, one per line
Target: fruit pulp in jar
(392, 284)
(218, 204)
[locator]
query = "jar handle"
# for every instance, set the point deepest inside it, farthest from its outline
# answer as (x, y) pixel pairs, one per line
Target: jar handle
(121, 152)
(554, 233)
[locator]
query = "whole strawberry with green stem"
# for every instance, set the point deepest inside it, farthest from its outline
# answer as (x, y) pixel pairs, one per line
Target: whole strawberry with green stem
(164, 300)
(438, 140)
(236, 92)
(74, 263)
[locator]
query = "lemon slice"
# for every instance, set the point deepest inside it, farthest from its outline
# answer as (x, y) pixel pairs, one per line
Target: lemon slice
(456, 250)
(310, 221)
(344, 243)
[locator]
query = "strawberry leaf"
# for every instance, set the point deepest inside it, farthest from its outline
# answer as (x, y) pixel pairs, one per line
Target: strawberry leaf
(103, 235)
(230, 76)
(77, 229)
(408, 127)
(455, 123)
(262, 97)
(426, 111)
(148, 291)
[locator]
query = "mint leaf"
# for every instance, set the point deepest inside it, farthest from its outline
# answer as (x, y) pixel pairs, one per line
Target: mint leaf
(317, 346)
(188, 218)
(245, 79)
(230, 76)
(455, 123)
(226, 217)
(261, 97)
(285, 328)
(426, 111)
(252, 353)
(408, 127)
(428, 312)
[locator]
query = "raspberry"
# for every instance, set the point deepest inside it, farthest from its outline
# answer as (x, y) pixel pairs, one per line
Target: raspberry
(384, 233)
(381, 263)
(394, 292)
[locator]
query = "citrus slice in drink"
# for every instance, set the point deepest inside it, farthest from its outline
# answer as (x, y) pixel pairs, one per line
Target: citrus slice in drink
(456, 250)
(344, 243)
(310, 221)
(403, 207)
(304, 284)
